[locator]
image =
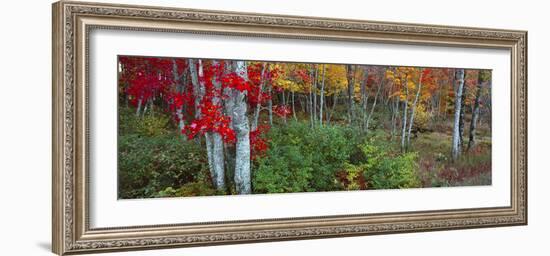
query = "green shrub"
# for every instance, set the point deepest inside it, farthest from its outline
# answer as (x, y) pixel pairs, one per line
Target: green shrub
(199, 188)
(148, 165)
(285, 169)
(384, 170)
(302, 159)
(146, 125)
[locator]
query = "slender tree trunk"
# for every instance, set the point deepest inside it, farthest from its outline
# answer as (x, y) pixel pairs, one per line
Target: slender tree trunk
(259, 103)
(270, 105)
(459, 78)
(314, 94)
(177, 81)
(462, 113)
(209, 135)
(475, 112)
(322, 98)
(140, 101)
(374, 103)
(284, 105)
(218, 159)
(229, 104)
(413, 110)
(196, 86)
(405, 113)
(240, 125)
(147, 103)
(396, 117)
(351, 82)
(293, 107)
(364, 99)
(333, 108)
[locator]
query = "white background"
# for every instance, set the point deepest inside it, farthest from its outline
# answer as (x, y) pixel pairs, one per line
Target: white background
(25, 140)
(106, 211)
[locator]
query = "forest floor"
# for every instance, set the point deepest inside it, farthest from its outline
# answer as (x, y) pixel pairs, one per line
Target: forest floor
(436, 169)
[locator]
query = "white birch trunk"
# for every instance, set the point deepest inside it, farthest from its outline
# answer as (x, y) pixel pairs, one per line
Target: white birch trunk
(411, 122)
(459, 79)
(259, 104)
(405, 113)
(322, 98)
(475, 112)
(177, 81)
(240, 125)
(218, 160)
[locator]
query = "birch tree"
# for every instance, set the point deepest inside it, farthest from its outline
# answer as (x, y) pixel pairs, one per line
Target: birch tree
(217, 144)
(405, 111)
(413, 110)
(179, 89)
(459, 80)
(482, 77)
(240, 125)
(258, 108)
(322, 97)
(351, 82)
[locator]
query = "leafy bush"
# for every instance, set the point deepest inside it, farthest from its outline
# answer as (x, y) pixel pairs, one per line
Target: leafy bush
(421, 118)
(148, 165)
(285, 169)
(384, 170)
(147, 125)
(199, 188)
(302, 159)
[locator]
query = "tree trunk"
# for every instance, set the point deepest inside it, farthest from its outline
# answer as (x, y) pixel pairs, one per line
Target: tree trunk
(475, 112)
(380, 85)
(396, 117)
(293, 107)
(351, 81)
(240, 125)
(333, 108)
(405, 113)
(218, 160)
(259, 103)
(322, 98)
(209, 135)
(413, 110)
(314, 94)
(364, 99)
(459, 80)
(177, 82)
(270, 105)
(462, 114)
(310, 98)
(196, 86)
(140, 101)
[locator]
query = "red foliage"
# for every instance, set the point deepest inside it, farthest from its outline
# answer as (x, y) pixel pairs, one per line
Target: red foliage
(146, 77)
(211, 120)
(258, 143)
(282, 110)
(234, 81)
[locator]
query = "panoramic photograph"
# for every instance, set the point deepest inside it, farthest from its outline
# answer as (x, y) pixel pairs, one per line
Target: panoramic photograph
(204, 127)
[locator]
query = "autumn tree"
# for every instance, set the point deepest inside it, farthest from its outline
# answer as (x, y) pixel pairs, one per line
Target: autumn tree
(459, 80)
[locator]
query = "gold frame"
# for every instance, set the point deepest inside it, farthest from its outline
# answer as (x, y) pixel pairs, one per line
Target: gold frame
(72, 22)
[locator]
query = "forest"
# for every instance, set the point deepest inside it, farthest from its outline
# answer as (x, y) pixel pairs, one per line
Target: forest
(200, 127)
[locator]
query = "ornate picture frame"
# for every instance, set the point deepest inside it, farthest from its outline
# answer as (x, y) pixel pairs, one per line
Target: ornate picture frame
(72, 23)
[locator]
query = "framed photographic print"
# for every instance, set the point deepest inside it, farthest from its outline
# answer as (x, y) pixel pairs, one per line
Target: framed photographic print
(179, 127)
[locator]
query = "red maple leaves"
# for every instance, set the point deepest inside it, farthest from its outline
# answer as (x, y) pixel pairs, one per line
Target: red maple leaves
(282, 110)
(147, 78)
(258, 143)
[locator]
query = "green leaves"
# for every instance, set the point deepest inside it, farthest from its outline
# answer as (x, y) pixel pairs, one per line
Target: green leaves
(386, 171)
(301, 159)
